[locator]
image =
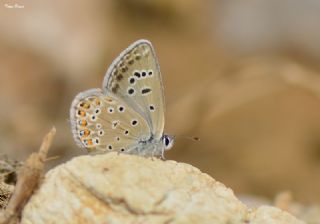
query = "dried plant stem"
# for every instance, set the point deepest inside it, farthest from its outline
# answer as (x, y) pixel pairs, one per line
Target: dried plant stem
(28, 179)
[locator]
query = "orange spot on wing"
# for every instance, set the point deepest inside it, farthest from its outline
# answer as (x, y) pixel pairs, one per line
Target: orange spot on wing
(86, 132)
(84, 105)
(81, 113)
(83, 123)
(89, 142)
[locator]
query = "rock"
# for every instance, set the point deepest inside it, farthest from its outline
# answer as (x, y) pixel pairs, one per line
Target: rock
(114, 188)
(6, 191)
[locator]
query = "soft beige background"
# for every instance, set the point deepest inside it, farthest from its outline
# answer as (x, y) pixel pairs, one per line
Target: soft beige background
(241, 75)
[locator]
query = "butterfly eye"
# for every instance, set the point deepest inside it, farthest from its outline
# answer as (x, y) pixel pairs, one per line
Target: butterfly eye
(168, 142)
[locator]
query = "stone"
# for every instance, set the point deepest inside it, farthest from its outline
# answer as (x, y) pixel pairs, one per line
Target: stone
(119, 188)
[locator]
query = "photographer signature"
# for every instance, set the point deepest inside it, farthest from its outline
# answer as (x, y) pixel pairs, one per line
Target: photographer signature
(13, 6)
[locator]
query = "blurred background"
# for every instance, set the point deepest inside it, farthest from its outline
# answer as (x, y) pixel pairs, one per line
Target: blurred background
(243, 75)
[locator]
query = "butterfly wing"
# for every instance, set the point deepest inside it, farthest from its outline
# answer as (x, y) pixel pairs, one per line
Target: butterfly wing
(102, 123)
(135, 78)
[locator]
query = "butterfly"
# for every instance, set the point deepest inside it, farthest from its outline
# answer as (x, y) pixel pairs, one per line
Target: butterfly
(127, 114)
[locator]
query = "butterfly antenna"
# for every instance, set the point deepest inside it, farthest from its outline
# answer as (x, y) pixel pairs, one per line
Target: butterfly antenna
(193, 138)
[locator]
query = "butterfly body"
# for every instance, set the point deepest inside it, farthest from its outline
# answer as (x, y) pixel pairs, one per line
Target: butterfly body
(152, 147)
(127, 114)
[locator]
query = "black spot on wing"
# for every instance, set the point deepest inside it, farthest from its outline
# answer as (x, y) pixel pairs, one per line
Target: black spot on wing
(137, 74)
(145, 91)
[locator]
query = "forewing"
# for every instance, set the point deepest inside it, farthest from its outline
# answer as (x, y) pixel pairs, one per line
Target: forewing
(102, 123)
(135, 78)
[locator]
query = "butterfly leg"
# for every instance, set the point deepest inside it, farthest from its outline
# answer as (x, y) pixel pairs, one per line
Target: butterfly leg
(162, 154)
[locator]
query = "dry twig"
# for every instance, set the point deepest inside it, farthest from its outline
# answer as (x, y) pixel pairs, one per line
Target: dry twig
(28, 179)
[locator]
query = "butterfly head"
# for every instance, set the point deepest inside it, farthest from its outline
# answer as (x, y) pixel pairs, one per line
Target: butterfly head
(168, 141)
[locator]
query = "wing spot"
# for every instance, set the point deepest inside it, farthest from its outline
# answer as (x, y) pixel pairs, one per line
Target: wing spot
(114, 72)
(121, 63)
(137, 74)
(88, 142)
(101, 132)
(151, 107)
(84, 105)
(110, 110)
(145, 90)
(130, 61)
(150, 73)
(134, 122)
(97, 101)
(132, 80)
(115, 124)
(137, 56)
(121, 108)
(115, 88)
(119, 77)
(126, 132)
(97, 140)
(83, 122)
(110, 147)
(131, 91)
(122, 150)
(124, 69)
(97, 111)
(81, 113)
(118, 138)
(84, 133)
(99, 126)
(93, 117)
(144, 74)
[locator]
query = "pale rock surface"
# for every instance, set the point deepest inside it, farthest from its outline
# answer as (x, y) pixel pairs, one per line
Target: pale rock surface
(114, 188)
